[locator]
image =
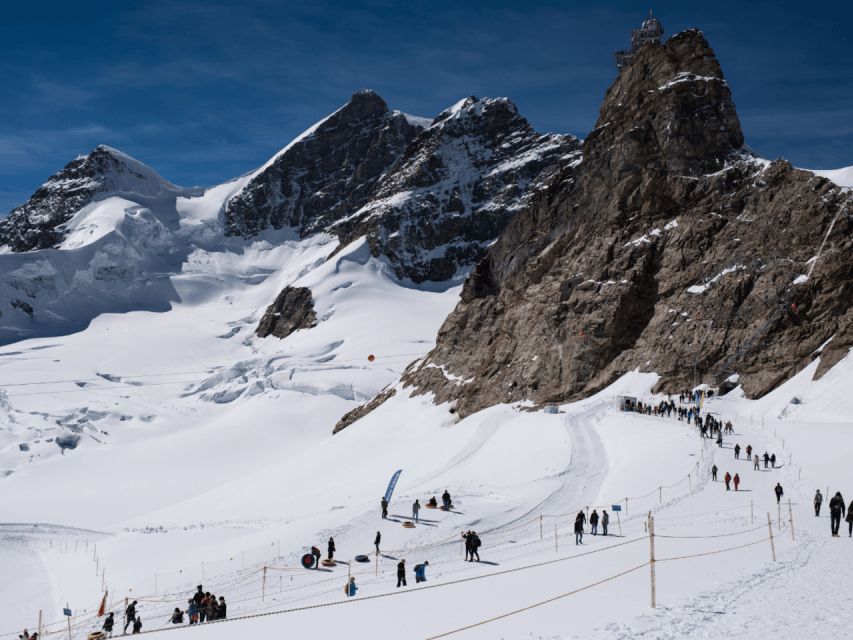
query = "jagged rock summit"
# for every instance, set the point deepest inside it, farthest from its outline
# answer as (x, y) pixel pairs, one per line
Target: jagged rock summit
(671, 249)
(328, 172)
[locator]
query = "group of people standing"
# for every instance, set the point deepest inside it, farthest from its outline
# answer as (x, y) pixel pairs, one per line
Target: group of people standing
(594, 520)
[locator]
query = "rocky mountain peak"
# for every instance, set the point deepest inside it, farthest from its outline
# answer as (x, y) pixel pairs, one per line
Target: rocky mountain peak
(668, 249)
(324, 174)
(37, 223)
(670, 107)
(366, 101)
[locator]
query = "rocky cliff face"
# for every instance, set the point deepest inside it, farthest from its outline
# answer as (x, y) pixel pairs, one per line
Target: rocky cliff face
(327, 174)
(456, 187)
(670, 249)
(38, 224)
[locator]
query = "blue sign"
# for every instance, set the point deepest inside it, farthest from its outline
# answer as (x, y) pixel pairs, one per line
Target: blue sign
(66, 612)
(392, 484)
(616, 507)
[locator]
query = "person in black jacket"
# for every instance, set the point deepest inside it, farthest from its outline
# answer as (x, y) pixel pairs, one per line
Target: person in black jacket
(331, 548)
(222, 609)
(593, 522)
(109, 623)
(376, 541)
(818, 501)
(779, 493)
(401, 573)
(137, 625)
(836, 512)
(130, 615)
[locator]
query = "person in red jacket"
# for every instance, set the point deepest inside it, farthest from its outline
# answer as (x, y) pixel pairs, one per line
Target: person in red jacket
(736, 481)
(728, 479)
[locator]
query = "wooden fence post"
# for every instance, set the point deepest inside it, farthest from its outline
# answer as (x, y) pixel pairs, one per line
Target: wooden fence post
(652, 557)
(791, 518)
(772, 545)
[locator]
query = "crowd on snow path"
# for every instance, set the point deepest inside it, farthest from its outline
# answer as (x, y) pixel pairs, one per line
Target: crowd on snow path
(710, 427)
(204, 606)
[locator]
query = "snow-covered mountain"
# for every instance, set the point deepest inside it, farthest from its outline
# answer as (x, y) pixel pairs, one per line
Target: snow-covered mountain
(168, 443)
(107, 233)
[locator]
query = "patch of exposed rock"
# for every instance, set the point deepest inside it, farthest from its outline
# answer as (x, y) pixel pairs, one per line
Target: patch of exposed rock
(293, 309)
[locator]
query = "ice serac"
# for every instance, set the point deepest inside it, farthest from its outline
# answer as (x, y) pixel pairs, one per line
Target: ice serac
(456, 187)
(672, 249)
(326, 174)
(40, 222)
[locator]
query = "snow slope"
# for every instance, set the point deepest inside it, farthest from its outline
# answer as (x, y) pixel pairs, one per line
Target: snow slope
(199, 509)
(842, 177)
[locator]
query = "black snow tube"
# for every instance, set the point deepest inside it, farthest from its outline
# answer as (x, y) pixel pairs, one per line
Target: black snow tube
(362, 558)
(308, 561)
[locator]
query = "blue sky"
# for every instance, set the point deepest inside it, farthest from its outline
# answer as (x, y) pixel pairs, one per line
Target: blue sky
(204, 91)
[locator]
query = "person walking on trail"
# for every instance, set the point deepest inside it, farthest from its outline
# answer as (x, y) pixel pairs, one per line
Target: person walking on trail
(605, 520)
(130, 615)
(446, 502)
(836, 512)
(317, 555)
(736, 481)
(331, 548)
(779, 493)
(714, 473)
(727, 479)
(593, 523)
(420, 571)
(137, 625)
(720, 440)
(401, 573)
(467, 536)
(818, 502)
(416, 508)
(579, 521)
(109, 623)
(766, 459)
(384, 508)
(376, 542)
(475, 546)
(773, 460)
(350, 588)
(757, 465)
(749, 452)
(737, 451)
(850, 520)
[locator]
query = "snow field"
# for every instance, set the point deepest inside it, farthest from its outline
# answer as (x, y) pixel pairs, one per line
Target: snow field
(206, 456)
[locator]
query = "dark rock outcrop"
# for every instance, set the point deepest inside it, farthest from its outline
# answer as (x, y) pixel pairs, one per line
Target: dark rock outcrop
(671, 249)
(293, 309)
